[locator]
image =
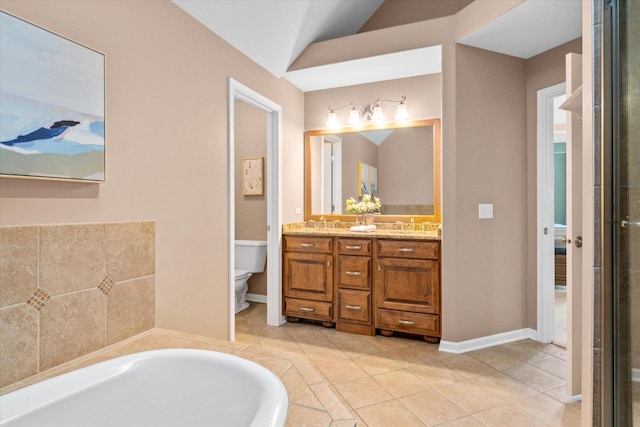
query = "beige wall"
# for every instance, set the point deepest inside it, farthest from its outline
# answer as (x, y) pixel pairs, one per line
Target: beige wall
(251, 211)
(484, 260)
(166, 135)
(543, 70)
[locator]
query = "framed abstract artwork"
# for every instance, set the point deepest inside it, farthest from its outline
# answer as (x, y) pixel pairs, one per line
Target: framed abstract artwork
(252, 176)
(52, 105)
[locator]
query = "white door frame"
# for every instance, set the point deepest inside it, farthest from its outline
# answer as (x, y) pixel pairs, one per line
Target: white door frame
(545, 214)
(273, 175)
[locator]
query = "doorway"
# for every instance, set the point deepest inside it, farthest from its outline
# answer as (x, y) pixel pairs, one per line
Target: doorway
(272, 176)
(552, 295)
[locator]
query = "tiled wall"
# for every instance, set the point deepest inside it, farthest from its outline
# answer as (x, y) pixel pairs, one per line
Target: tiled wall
(67, 290)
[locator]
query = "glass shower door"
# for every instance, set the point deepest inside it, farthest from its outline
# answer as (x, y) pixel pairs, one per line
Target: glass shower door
(626, 211)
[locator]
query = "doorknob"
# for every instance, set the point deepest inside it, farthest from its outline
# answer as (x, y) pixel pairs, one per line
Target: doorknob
(566, 241)
(579, 242)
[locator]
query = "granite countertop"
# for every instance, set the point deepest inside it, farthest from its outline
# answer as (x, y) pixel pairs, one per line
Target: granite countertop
(384, 231)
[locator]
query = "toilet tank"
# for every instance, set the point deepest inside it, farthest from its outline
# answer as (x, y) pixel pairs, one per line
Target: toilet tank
(251, 255)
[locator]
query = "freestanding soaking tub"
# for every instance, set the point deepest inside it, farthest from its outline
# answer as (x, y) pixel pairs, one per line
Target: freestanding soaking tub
(177, 387)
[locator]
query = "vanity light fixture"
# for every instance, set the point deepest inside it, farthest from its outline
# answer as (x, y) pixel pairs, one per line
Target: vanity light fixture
(372, 113)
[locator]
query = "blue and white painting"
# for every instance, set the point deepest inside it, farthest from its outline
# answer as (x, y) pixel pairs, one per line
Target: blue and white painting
(51, 105)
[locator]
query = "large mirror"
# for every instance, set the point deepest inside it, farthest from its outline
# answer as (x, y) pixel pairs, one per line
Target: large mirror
(398, 162)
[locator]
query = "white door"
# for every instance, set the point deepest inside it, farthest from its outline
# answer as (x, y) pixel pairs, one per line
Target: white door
(574, 222)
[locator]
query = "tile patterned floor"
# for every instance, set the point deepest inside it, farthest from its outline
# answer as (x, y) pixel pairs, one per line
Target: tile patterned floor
(393, 381)
(335, 379)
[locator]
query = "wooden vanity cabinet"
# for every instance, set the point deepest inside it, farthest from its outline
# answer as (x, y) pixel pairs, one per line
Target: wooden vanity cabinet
(407, 288)
(354, 286)
(308, 273)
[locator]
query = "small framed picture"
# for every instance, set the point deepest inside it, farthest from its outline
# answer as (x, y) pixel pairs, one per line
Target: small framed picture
(252, 176)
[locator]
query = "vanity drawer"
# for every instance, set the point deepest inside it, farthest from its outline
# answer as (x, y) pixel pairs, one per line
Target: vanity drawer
(354, 272)
(308, 244)
(408, 249)
(403, 321)
(316, 310)
(354, 246)
(354, 306)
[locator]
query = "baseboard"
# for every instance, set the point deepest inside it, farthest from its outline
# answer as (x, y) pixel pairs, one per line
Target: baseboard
(488, 341)
(257, 298)
(635, 375)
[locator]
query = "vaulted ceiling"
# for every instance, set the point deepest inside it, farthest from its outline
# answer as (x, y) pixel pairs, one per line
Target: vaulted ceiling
(273, 33)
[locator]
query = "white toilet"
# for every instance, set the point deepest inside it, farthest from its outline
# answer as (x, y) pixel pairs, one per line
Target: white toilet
(251, 256)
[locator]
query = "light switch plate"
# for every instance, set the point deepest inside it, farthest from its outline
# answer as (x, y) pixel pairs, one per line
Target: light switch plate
(485, 210)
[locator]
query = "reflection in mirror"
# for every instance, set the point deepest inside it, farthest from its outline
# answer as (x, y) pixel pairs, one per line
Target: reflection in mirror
(398, 164)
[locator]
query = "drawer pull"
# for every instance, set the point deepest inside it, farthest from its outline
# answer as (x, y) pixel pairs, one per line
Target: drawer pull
(407, 250)
(307, 245)
(354, 247)
(354, 307)
(353, 273)
(306, 308)
(406, 322)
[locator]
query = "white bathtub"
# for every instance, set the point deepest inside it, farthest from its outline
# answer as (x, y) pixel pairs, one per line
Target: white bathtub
(176, 387)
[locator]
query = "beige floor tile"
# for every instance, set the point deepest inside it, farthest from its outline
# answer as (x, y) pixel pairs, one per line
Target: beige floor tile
(549, 411)
(463, 422)
(432, 407)
(435, 375)
(377, 364)
(300, 416)
(560, 394)
(341, 370)
(496, 358)
(298, 390)
(359, 421)
(530, 351)
(507, 416)
(362, 392)
(401, 383)
(413, 355)
(352, 346)
(469, 367)
(472, 396)
(276, 365)
(329, 399)
(505, 387)
(552, 365)
(534, 377)
(389, 414)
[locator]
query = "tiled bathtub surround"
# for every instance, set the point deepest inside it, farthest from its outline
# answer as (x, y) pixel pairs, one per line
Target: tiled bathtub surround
(68, 290)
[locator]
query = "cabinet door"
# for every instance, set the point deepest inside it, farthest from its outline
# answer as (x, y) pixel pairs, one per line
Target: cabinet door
(308, 276)
(408, 285)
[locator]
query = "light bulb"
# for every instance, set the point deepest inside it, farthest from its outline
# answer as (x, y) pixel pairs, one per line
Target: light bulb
(354, 117)
(378, 115)
(402, 113)
(332, 121)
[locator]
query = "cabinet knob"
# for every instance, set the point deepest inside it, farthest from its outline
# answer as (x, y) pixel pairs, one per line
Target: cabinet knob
(354, 307)
(306, 245)
(353, 273)
(407, 250)
(306, 308)
(406, 322)
(354, 247)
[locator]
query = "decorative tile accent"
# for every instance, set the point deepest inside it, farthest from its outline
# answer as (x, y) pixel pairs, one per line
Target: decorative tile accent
(38, 299)
(106, 285)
